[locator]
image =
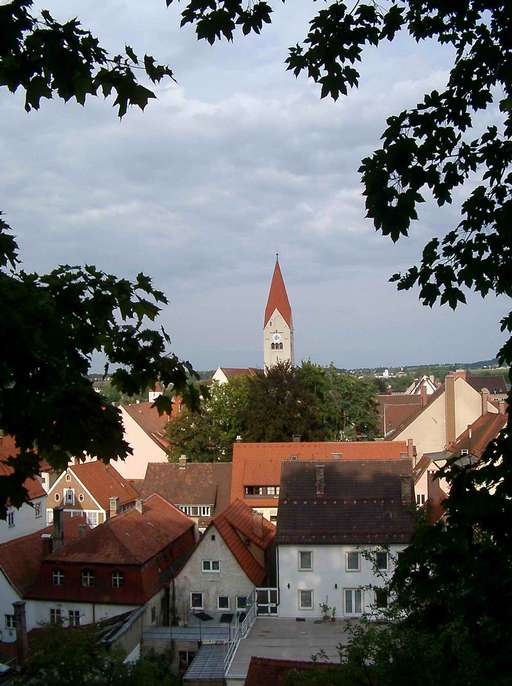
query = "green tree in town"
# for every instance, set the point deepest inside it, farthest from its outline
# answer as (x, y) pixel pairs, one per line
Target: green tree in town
(208, 435)
(61, 655)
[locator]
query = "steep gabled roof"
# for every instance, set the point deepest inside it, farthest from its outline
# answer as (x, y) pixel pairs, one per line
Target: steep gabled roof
(278, 298)
(196, 483)
(239, 525)
(361, 503)
(9, 449)
(232, 372)
(103, 481)
(20, 559)
(147, 417)
(417, 411)
(131, 537)
(494, 384)
(477, 436)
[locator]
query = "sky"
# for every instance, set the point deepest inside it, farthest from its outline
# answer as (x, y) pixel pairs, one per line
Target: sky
(236, 161)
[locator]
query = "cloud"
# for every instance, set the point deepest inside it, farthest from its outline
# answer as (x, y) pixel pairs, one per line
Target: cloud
(237, 161)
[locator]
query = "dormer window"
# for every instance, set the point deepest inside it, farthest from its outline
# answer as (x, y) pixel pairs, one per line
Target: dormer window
(57, 577)
(88, 578)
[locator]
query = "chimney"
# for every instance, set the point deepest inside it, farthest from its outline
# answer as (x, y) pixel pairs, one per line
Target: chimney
(257, 524)
(406, 490)
(182, 462)
(139, 506)
(58, 528)
(297, 438)
(20, 622)
(449, 399)
(410, 448)
(238, 439)
(485, 399)
(113, 503)
(423, 394)
(46, 540)
(320, 479)
(502, 406)
(460, 374)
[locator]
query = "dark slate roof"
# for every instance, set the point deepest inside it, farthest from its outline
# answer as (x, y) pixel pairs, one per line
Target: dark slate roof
(195, 483)
(362, 503)
(494, 384)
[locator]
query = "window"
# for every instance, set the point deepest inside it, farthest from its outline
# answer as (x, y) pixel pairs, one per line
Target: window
(241, 602)
(9, 622)
(88, 577)
(381, 598)
(55, 616)
(222, 602)
(57, 497)
(353, 601)
(211, 565)
(381, 560)
(37, 510)
(57, 577)
(194, 511)
(271, 490)
(352, 562)
(91, 518)
(205, 510)
(81, 497)
(68, 477)
(74, 617)
(10, 519)
(117, 579)
(153, 615)
(69, 496)
(420, 499)
(305, 600)
(49, 516)
(305, 560)
(212, 537)
(196, 601)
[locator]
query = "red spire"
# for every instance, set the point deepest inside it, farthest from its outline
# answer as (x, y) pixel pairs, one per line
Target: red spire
(278, 298)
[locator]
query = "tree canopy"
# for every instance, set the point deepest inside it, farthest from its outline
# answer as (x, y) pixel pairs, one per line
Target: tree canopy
(313, 402)
(53, 324)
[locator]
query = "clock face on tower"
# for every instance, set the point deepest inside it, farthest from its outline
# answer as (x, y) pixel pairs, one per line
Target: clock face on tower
(276, 338)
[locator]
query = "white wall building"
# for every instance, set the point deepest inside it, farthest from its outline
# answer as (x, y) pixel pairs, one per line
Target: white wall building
(340, 528)
(227, 564)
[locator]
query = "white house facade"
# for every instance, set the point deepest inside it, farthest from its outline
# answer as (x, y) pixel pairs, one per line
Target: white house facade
(344, 579)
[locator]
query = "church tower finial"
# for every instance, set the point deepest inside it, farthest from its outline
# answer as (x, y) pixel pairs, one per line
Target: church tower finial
(278, 323)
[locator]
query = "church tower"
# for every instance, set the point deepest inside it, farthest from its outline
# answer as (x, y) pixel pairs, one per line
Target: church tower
(278, 323)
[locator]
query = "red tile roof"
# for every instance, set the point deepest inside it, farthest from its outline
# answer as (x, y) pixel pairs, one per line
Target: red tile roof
(265, 671)
(20, 559)
(147, 417)
(8, 449)
(476, 437)
(130, 537)
(103, 481)
(239, 524)
(231, 372)
(278, 298)
(259, 464)
(361, 503)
